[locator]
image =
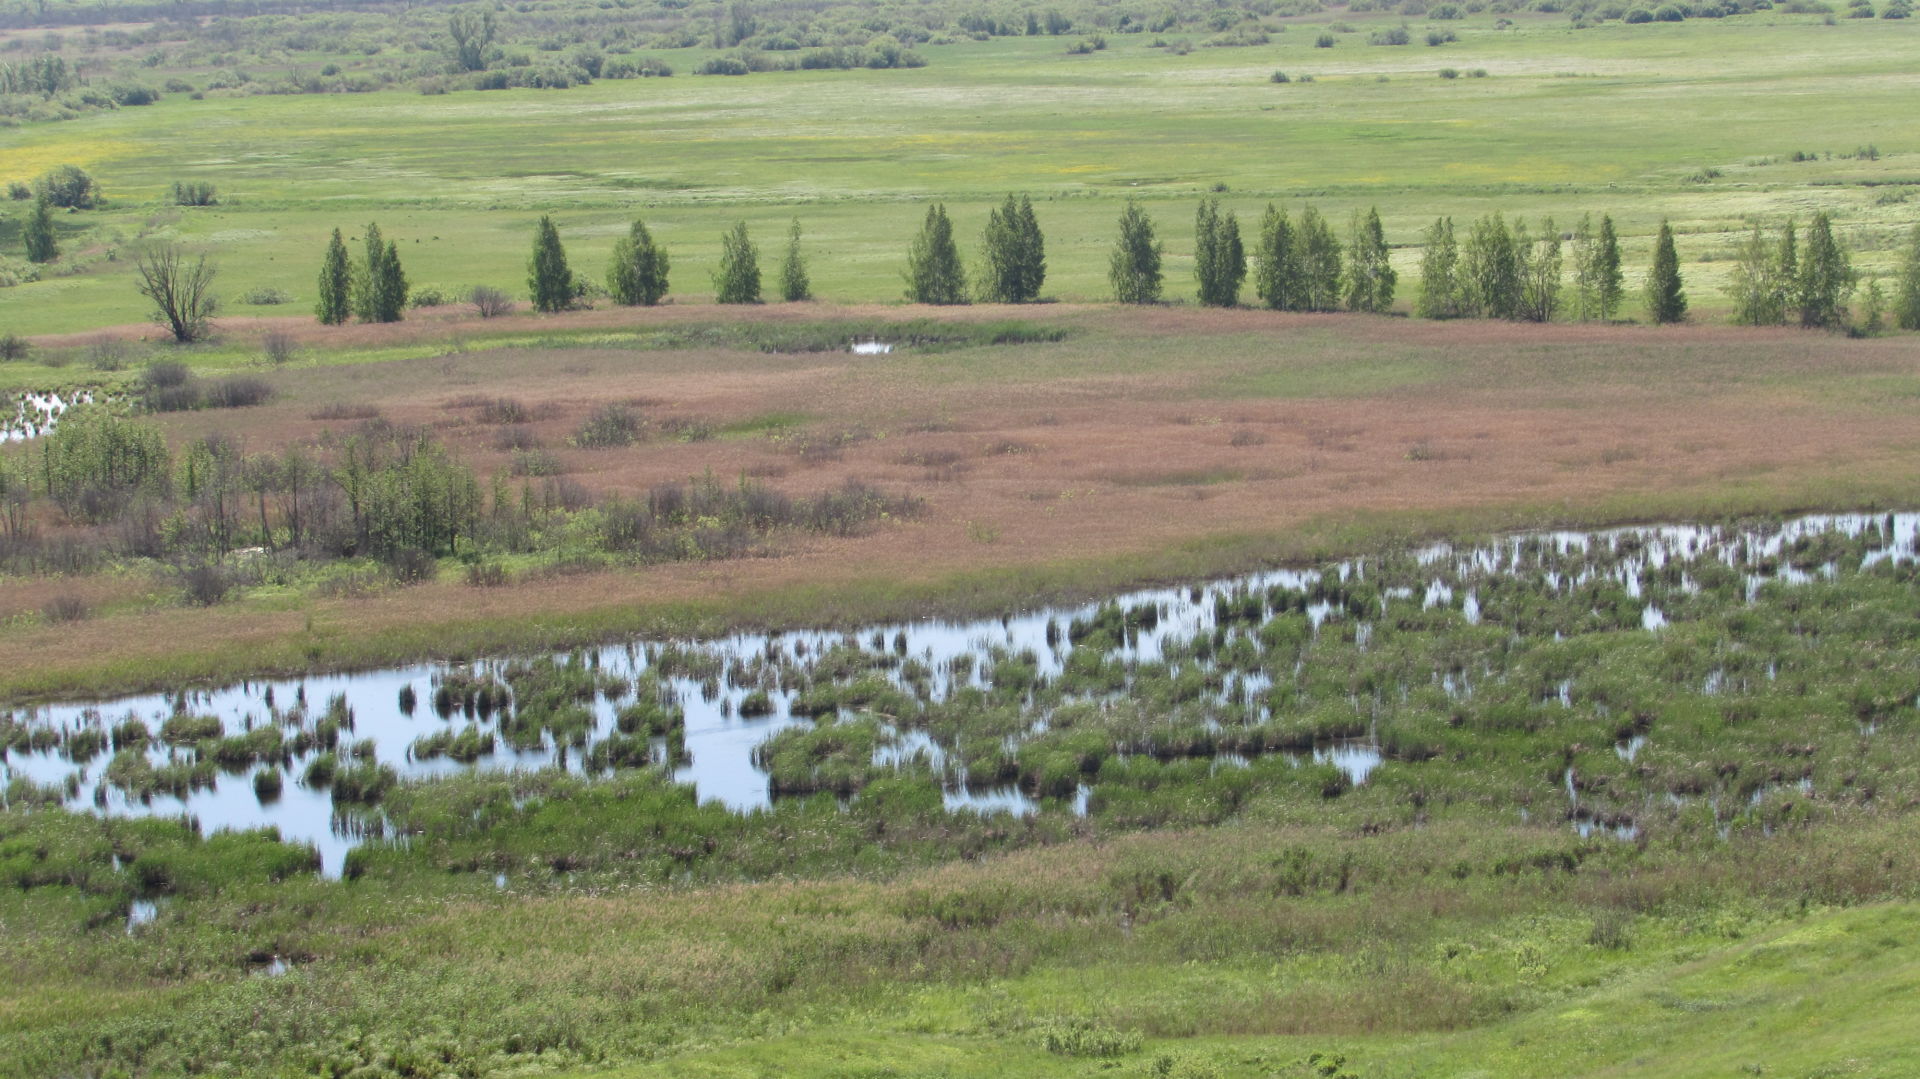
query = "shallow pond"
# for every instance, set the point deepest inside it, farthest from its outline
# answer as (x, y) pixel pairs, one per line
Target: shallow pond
(715, 704)
(30, 415)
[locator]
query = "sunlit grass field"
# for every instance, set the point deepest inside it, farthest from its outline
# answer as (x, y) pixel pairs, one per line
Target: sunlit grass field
(1619, 119)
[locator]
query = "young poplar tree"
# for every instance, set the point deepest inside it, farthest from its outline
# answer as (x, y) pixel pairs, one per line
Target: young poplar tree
(549, 278)
(737, 280)
(1757, 293)
(1134, 269)
(795, 284)
(379, 286)
(1440, 273)
(1609, 281)
(1540, 264)
(1906, 286)
(1219, 258)
(336, 284)
(1370, 276)
(1490, 270)
(637, 274)
(933, 262)
(1033, 253)
(1277, 260)
(1826, 277)
(1001, 244)
(1319, 263)
(41, 244)
(1666, 298)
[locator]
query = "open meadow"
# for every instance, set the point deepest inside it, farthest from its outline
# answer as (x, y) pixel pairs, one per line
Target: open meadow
(855, 687)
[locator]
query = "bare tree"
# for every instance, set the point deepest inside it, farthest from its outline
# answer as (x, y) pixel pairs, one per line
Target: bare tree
(181, 290)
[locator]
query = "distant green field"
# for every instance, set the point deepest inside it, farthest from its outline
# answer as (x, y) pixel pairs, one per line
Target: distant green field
(1617, 118)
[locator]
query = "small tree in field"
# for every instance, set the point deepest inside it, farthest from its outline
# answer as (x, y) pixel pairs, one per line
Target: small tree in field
(933, 262)
(1219, 259)
(795, 284)
(41, 245)
(181, 290)
(1319, 262)
(637, 276)
(1906, 286)
(1826, 277)
(737, 280)
(336, 284)
(1756, 288)
(1539, 273)
(1666, 298)
(1134, 269)
(549, 279)
(1440, 273)
(1370, 276)
(380, 286)
(1016, 254)
(1277, 257)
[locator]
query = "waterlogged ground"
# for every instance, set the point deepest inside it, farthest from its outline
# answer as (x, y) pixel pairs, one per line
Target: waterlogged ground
(1596, 678)
(30, 415)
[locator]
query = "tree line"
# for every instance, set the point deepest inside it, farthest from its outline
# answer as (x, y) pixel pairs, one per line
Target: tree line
(1490, 268)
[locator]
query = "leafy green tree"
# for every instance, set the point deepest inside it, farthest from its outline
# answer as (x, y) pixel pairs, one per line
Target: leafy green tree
(1015, 253)
(1608, 281)
(548, 277)
(1278, 275)
(1319, 262)
(1906, 286)
(1666, 298)
(69, 187)
(380, 287)
(933, 262)
(1134, 269)
(1789, 267)
(1440, 273)
(336, 284)
(1370, 276)
(1826, 277)
(1759, 298)
(41, 244)
(181, 291)
(1490, 270)
(796, 285)
(1219, 258)
(737, 280)
(1873, 320)
(1540, 264)
(637, 276)
(472, 30)
(94, 461)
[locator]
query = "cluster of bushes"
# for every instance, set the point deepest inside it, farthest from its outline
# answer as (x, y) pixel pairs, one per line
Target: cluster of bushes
(388, 493)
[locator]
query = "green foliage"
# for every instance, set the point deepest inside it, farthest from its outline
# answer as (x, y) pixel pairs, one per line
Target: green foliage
(68, 187)
(1279, 276)
(1906, 286)
(38, 232)
(379, 284)
(795, 285)
(1826, 278)
(1015, 253)
(934, 273)
(1441, 290)
(1539, 272)
(1490, 271)
(637, 275)
(737, 279)
(548, 276)
(1666, 298)
(1134, 268)
(1219, 259)
(181, 291)
(335, 305)
(1319, 262)
(470, 31)
(94, 462)
(1370, 275)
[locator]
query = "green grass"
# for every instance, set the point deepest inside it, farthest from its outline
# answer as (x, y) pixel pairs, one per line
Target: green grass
(1609, 119)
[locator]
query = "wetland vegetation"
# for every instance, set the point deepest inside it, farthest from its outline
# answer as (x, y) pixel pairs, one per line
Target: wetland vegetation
(417, 659)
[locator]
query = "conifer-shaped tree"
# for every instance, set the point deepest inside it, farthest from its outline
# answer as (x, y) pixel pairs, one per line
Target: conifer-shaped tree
(1666, 295)
(549, 278)
(737, 279)
(934, 274)
(335, 305)
(1134, 268)
(637, 275)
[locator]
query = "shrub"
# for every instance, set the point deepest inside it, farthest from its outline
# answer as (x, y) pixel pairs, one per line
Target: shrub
(107, 354)
(277, 346)
(610, 426)
(69, 187)
(490, 302)
(194, 193)
(1639, 15)
(1449, 73)
(411, 565)
(65, 607)
(238, 391)
(18, 191)
(1397, 35)
(266, 297)
(205, 585)
(505, 410)
(429, 296)
(1278, 76)
(14, 347)
(1670, 13)
(1440, 37)
(1324, 41)
(134, 95)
